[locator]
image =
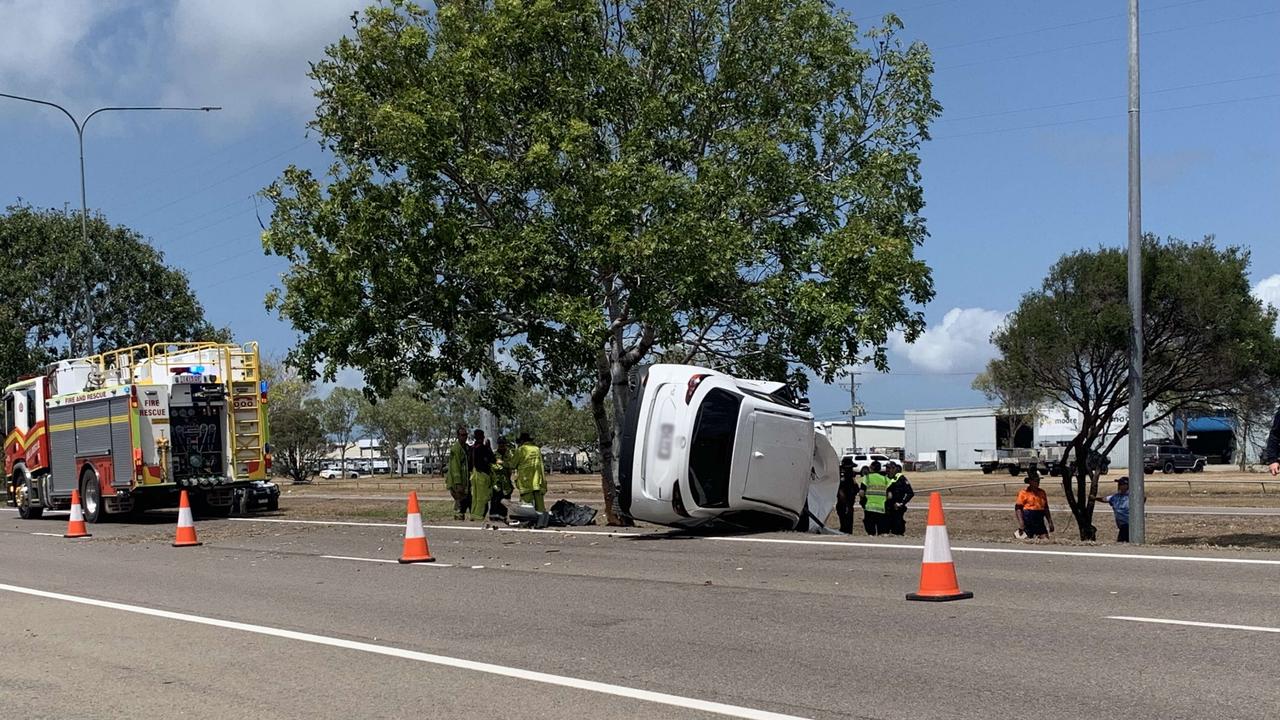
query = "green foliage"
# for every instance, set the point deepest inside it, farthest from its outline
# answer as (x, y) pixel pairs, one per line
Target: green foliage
(298, 441)
(589, 181)
(564, 424)
(1207, 342)
(61, 297)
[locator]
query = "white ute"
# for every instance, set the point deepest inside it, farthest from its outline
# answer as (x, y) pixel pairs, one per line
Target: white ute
(700, 447)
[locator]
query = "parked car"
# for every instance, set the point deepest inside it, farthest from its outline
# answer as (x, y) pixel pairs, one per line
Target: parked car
(701, 447)
(1171, 459)
(336, 473)
(861, 460)
(259, 495)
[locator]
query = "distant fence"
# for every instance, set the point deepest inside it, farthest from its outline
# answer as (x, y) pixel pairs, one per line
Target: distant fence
(1004, 484)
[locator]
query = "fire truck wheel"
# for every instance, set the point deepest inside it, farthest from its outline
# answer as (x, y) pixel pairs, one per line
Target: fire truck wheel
(91, 497)
(25, 511)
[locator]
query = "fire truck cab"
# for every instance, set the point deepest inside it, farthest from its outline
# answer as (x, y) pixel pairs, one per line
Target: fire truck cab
(129, 429)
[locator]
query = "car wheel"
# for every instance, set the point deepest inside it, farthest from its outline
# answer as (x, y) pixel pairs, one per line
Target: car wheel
(986, 471)
(1015, 471)
(91, 497)
(1168, 467)
(1198, 468)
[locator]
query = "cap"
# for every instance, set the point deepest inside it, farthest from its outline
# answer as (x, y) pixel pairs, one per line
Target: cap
(1123, 479)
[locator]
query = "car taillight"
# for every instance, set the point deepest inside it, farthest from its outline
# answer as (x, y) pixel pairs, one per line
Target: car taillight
(266, 461)
(694, 382)
(137, 458)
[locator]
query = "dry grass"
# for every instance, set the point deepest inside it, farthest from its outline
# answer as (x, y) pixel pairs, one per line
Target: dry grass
(1212, 489)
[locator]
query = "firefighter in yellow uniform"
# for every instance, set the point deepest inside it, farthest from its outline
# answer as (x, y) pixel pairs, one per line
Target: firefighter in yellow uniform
(529, 477)
(503, 464)
(482, 460)
(457, 475)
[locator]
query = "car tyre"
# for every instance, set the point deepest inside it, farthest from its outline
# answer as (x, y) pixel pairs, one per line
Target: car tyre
(1198, 468)
(1168, 467)
(1015, 471)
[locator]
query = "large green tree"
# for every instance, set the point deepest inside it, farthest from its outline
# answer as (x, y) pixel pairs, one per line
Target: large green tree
(1206, 342)
(588, 181)
(61, 296)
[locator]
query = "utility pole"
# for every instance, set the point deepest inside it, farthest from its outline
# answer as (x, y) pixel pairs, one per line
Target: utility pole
(855, 410)
(1137, 497)
(84, 205)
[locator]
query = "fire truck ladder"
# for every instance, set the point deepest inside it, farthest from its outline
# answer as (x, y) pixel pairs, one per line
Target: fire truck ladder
(246, 415)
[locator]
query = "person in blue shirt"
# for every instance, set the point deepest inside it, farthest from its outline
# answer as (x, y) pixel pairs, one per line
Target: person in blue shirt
(1119, 502)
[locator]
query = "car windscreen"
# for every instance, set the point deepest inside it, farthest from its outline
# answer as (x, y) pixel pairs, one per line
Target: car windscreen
(711, 454)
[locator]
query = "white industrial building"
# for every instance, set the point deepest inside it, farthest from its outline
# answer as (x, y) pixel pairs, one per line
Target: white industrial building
(888, 436)
(954, 438)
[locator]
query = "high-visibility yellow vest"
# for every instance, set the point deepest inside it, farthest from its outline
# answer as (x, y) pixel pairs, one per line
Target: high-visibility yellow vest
(877, 491)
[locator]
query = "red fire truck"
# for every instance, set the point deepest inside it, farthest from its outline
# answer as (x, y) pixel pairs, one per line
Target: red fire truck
(130, 428)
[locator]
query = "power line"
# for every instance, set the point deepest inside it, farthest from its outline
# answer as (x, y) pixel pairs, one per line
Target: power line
(218, 182)
(1054, 106)
(1094, 43)
(1110, 116)
(905, 10)
(1063, 26)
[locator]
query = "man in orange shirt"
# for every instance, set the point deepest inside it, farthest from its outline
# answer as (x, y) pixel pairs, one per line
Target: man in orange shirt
(1032, 509)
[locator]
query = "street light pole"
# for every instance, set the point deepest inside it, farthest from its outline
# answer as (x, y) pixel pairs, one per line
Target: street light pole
(80, 125)
(1137, 495)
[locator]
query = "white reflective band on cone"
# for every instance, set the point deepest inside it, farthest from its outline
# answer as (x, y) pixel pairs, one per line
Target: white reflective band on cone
(184, 518)
(413, 526)
(76, 513)
(937, 547)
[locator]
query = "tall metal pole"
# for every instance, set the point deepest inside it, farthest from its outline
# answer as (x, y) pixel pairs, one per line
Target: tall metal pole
(1137, 499)
(853, 409)
(84, 203)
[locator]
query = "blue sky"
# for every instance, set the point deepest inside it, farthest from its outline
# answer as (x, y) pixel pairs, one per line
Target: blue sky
(1028, 160)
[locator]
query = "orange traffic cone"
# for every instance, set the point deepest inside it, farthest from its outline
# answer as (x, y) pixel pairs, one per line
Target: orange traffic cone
(937, 573)
(75, 526)
(415, 541)
(186, 526)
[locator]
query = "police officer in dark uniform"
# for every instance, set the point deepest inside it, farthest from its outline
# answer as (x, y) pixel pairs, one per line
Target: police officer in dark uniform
(900, 493)
(846, 495)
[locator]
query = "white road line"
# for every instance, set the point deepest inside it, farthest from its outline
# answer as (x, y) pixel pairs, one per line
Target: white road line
(1012, 551)
(47, 534)
(1192, 623)
(443, 660)
(577, 531)
(383, 560)
(829, 543)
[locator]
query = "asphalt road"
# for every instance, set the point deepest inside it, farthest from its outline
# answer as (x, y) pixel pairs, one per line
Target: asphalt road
(302, 620)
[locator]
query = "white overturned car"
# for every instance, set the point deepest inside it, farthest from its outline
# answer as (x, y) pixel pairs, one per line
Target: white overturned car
(701, 447)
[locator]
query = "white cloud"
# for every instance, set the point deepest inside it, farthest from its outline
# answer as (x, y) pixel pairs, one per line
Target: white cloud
(39, 42)
(960, 343)
(1268, 291)
(250, 56)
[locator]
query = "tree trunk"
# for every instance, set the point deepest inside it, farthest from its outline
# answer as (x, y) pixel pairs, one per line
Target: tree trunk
(1075, 467)
(608, 461)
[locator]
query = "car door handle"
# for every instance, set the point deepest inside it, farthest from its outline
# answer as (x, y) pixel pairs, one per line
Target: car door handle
(758, 454)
